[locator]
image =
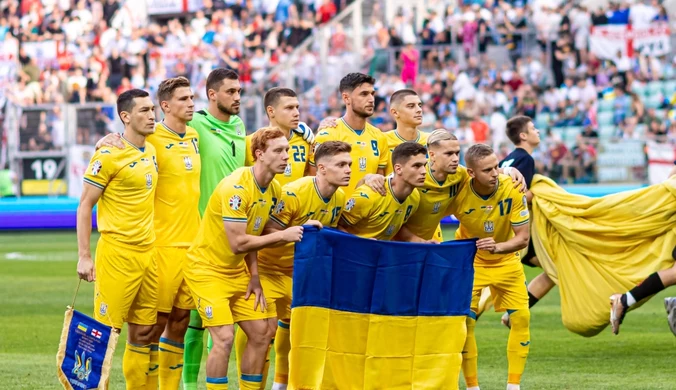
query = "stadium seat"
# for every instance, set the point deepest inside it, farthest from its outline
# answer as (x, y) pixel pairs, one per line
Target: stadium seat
(607, 132)
(605, 118)
(669, 87)
(606, 105)
(572, 133)
(655, 87)
(641, 90)
(641, 128)
(542, 120)
(654, 100)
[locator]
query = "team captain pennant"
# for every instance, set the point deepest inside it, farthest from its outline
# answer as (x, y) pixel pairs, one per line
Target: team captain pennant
(85, 353)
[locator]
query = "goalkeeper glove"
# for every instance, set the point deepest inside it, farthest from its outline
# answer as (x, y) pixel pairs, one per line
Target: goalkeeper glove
(306, 132)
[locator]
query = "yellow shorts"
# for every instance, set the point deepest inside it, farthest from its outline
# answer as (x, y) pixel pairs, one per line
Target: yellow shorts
(437, 234)
(220, 297)
(126, 287)
(277, 290)
(507, 284)
(173, 289)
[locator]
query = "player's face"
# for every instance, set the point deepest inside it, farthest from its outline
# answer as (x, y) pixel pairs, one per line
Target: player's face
(532, 135)
(337, 169)
(485, 171)
(227, 97)
(446, 156)
(276, 156)
(413, 171)
(286, 114)
(181, 105)
(362, 100)
(409, 111)
(142, 116)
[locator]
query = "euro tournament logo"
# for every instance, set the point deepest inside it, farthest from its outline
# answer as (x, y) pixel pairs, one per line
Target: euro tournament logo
(235, 202)
(350, 204)
(96, 167)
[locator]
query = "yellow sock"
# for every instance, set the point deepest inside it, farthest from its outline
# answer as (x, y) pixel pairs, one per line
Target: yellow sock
(153, 368)
(171, 363)
(135, 364)
(518, 344)
(282, 349)
(266, 366)
(470, 354)
(217, 383)
(240, 346)
(250, 382)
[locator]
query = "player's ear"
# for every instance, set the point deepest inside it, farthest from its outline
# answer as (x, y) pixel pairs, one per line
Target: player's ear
(470, 172)
(270, 111)
(346, 97)
(124, 117)
(394, 112)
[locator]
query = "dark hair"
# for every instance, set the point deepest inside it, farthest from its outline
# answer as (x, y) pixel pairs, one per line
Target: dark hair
(399, 95)
(405, 151)
(477, 152)
(353, 80)
(216, 77)
(516, 126)
(125, 102)
(167, 87)
(274, 94)
(330, 149)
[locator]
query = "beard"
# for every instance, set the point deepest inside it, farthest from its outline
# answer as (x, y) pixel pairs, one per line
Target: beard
(227, 110)
(362, 113)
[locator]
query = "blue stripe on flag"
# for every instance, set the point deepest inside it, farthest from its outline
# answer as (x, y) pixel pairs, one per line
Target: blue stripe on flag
(340, 271)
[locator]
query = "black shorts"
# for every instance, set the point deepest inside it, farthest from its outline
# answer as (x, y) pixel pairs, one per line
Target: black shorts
(525, 259)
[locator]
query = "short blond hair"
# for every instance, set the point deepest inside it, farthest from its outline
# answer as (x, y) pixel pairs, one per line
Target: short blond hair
(439, 135)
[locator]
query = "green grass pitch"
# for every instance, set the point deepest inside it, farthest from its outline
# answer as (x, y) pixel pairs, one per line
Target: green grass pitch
(37, 281)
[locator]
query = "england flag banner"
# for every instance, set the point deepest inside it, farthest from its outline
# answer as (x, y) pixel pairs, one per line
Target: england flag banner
(606, 41)
(85, 353)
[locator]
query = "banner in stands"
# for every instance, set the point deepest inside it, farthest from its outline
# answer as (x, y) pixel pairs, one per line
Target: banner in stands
(168, 7)
(661, 159)
(606, 41)
(78, 160)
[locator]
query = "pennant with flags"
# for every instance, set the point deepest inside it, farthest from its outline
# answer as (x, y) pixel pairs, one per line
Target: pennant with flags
(374, 314)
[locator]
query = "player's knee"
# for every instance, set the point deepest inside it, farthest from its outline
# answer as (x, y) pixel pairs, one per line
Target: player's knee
(141, 334)
(668, 276)
(259, 333)
(520, 319)
(534, 260)
(178, 321)
(222, 338)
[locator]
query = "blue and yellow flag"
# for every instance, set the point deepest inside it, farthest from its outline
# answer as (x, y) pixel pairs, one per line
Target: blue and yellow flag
(85, 352)
(372, 314)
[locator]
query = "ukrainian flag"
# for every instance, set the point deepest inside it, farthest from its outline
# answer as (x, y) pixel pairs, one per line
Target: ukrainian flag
(374, 314)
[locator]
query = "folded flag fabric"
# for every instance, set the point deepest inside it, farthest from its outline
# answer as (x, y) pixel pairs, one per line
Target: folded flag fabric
(595, 247)
(372, 314)
(85, 352)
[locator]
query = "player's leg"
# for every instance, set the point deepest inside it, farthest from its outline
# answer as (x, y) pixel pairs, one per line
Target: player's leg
(118, 280)
(259, 333)
(282, 341)
(670, 305)
(470, 352)
(141, 319)
(172, 339)
(240, 346)
(194, 345)
(217, 361)
(653, 284)
(511, 294)
(537, 289)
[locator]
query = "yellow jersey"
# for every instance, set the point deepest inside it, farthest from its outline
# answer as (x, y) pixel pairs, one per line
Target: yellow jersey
(237, 198)
(177, 217)
(491, 216)
(128, 178)
(299, 202)
(394, 139)
(369, 149)
(299, 156)
(435, 201)
(368, 214)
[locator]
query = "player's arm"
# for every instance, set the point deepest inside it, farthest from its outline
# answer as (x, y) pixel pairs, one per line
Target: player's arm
(254, 286)
(356, 209)
(375, 181)
(405, 234)
(112, 140)
(384, 152)
(519, 218)
(517, 178)
(322, 136)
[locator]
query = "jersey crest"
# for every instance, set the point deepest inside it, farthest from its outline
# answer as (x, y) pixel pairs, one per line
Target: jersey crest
(362, 164)
(235, 202)
(188, 162)
(436, 207)
(287, 170)
(489, 227)
(149, 181)
(257, 223)
(390, 230)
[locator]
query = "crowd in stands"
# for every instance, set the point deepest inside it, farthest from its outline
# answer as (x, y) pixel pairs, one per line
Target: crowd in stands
(574, 97)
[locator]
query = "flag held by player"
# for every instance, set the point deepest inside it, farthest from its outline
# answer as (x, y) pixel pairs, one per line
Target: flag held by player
(85, 352)
(376, 314)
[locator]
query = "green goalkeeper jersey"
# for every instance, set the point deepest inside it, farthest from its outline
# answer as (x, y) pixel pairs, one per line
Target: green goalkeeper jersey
(222, 149)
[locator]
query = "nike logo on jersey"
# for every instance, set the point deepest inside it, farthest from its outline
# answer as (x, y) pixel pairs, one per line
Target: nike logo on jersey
(525, 344)
(468, 212)
(169, 146)
(132, 165)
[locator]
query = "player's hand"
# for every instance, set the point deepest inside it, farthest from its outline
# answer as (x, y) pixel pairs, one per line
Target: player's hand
(517, 178)
(315, 223)
(85, 269)
(257, 290)
(376, 183)
(112, 140)
(328, 122)
(306, 132)
(292, 234)
(432, 241)
(487, 244)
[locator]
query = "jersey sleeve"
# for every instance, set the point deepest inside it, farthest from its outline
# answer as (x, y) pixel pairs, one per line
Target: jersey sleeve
(384, 150)
(248, 159)
(519, 215)
(234, 203)
(357, 208)
(321, 137)
(101, 169)
(287, 207)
